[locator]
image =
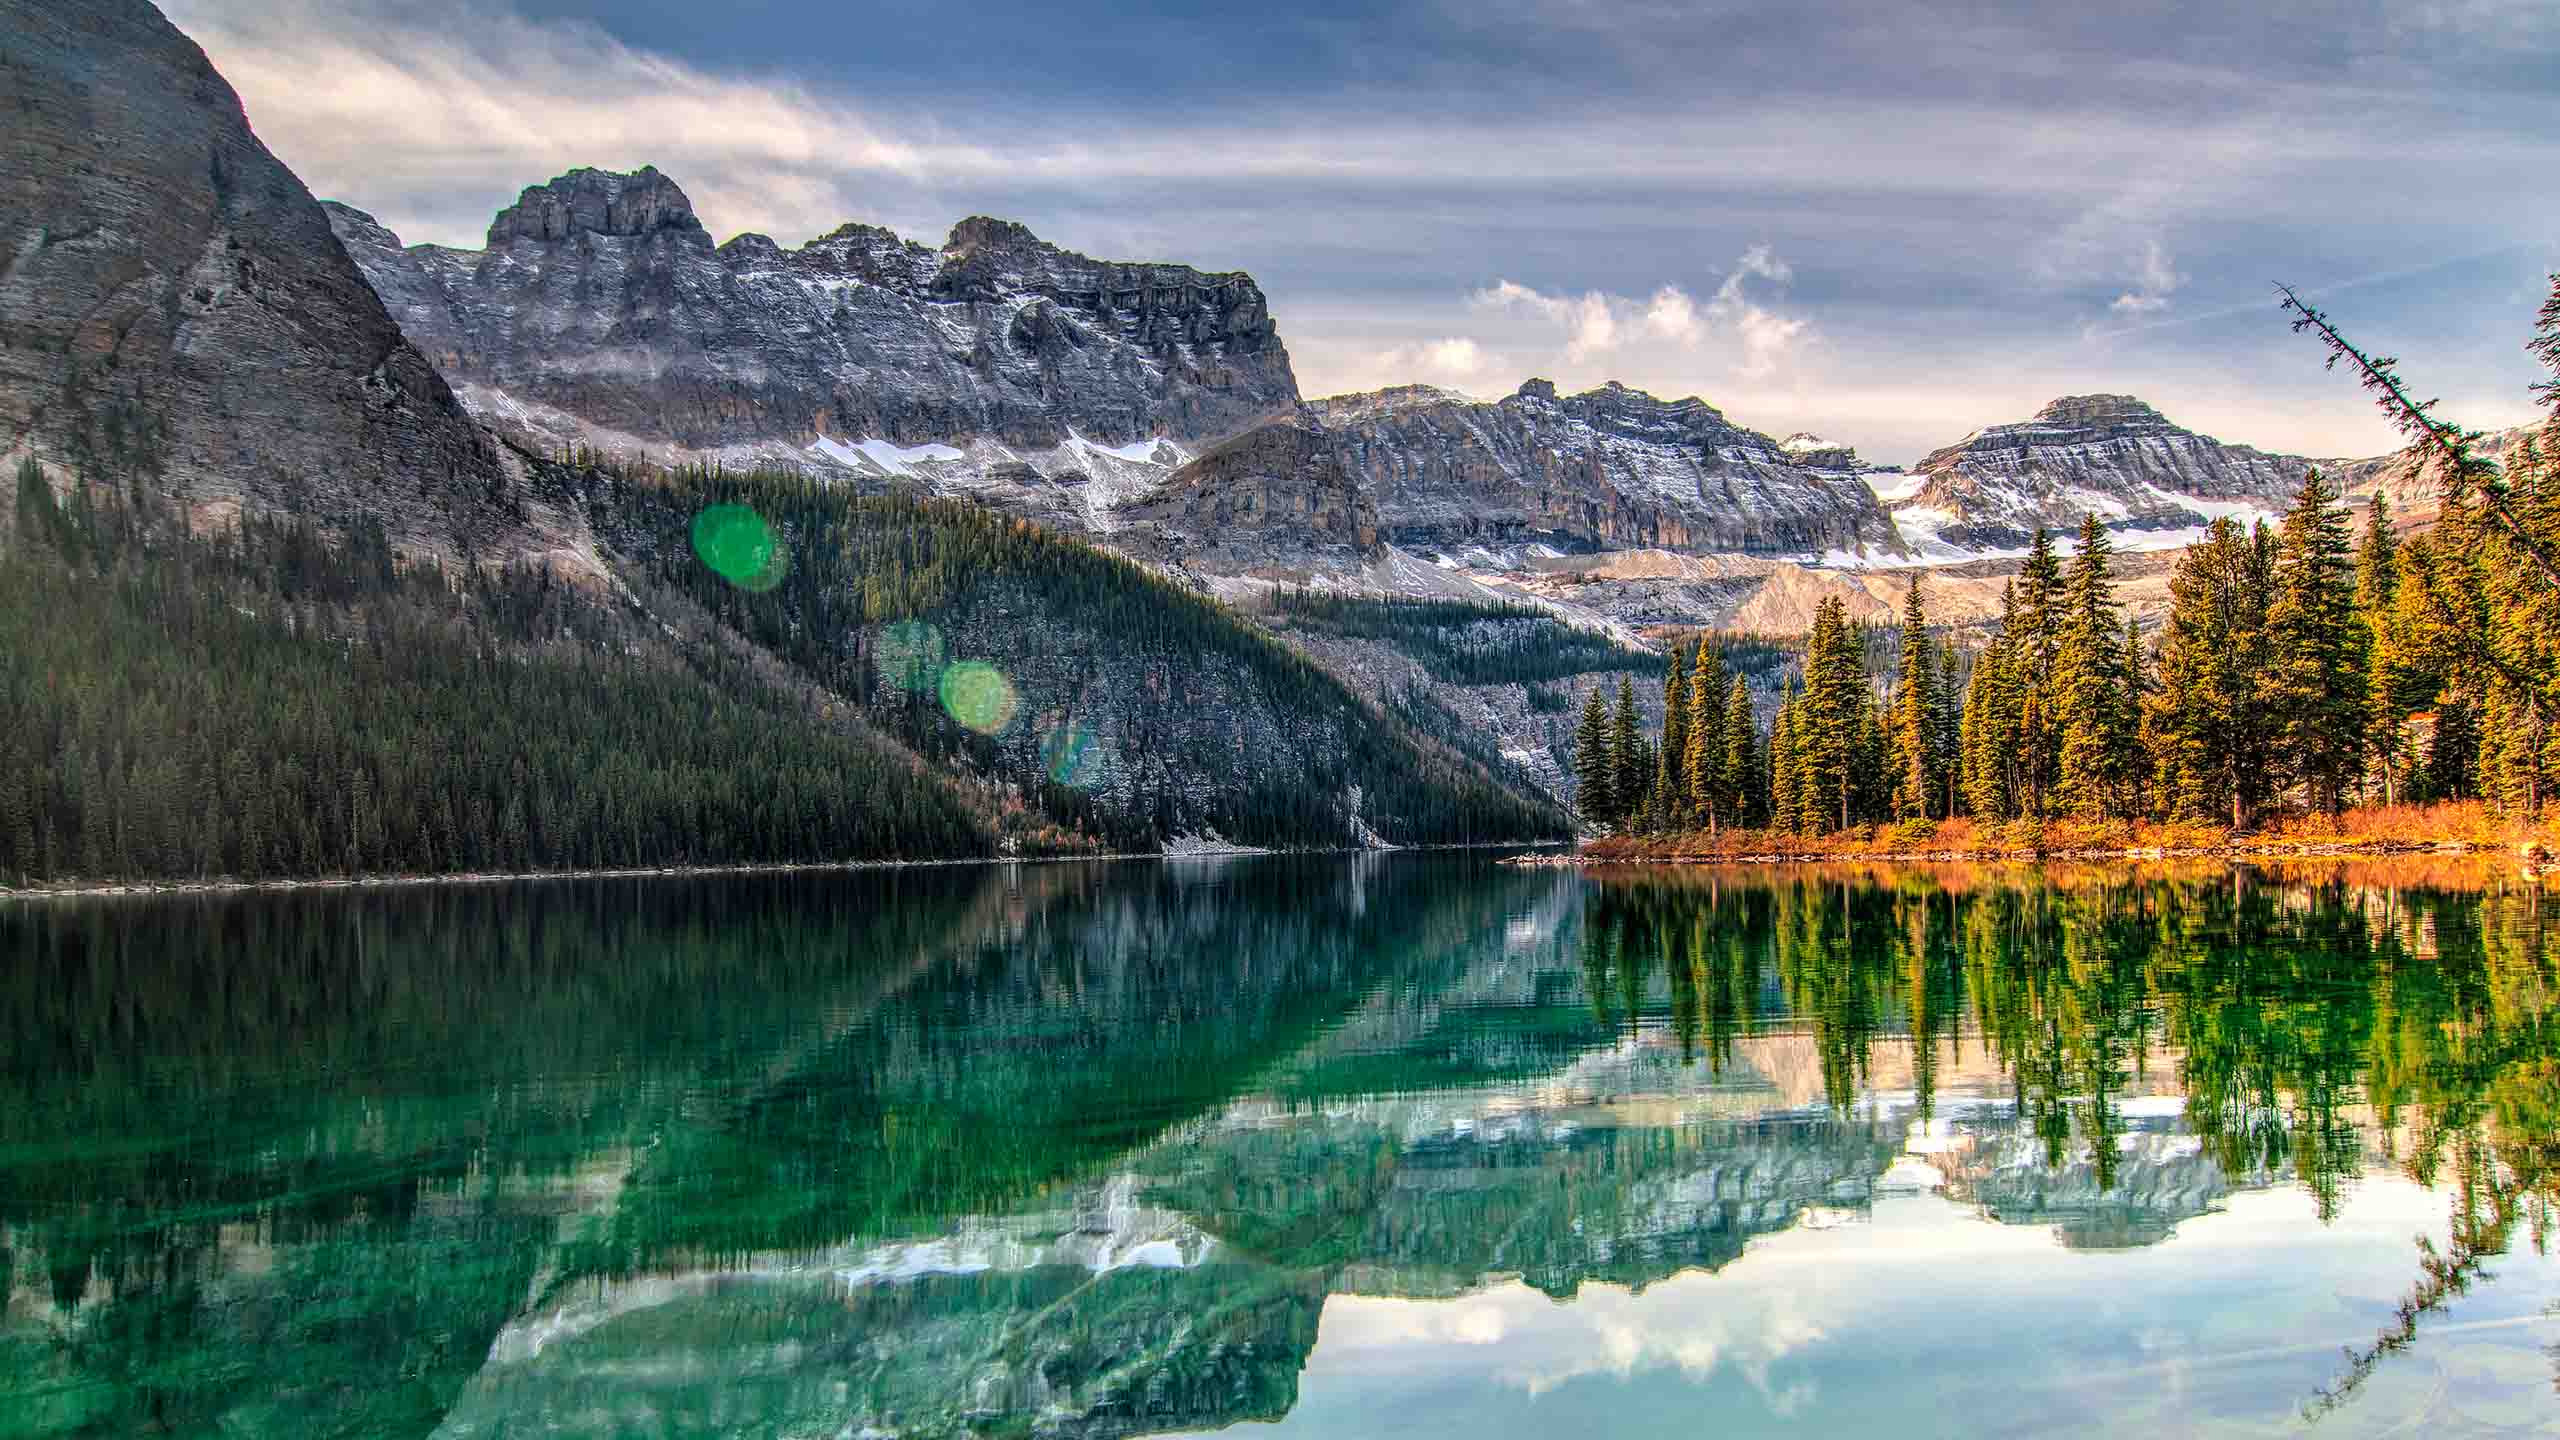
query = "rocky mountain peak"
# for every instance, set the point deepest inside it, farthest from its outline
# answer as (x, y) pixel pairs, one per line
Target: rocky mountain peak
(1815, 453)
(2100, 411)
(985, 232)
(596, 202)
(665, 343)
(176, 307)
(2113, 456)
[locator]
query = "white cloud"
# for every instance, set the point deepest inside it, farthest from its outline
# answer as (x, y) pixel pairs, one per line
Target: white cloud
(1590, 320)
(1595, 323)
(1767, 337)
(2154, 280)
(1674, 316)
(1453, 361)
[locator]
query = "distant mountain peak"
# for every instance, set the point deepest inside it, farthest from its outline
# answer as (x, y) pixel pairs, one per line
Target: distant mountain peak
(2099, 409)
(588, 201)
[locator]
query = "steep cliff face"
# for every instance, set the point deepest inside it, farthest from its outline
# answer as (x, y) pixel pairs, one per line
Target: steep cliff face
(1611, 468)
(174, 307)
(2111, 455)
(601, 295)
(1275, 495)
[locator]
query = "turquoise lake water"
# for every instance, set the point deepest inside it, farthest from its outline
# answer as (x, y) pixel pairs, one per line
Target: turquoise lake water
(1403, 1144)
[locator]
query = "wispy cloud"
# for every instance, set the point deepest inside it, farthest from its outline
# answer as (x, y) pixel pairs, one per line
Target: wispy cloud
(2153, 281)
(1454, 361)
(1756, 336)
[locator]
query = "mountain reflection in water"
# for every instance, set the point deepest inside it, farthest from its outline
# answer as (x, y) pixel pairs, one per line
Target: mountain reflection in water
(1120, 1149)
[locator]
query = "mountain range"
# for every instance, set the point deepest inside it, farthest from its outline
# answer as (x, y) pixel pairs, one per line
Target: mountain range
(1151, 406)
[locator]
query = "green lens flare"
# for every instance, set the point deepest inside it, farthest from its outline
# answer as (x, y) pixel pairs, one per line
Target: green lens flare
(909, 656)
(977, 695)
(1073, 755)
(743, 550)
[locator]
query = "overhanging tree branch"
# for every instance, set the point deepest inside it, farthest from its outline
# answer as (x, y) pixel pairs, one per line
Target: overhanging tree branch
(2448, 444)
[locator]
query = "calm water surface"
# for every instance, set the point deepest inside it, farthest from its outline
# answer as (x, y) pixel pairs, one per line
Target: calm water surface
(1404, 1145)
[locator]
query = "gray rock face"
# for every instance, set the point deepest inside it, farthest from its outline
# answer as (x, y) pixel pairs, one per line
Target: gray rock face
(601, 295)
(1611, 468)
(1275, 494)
(174, 306)
(2108, 454)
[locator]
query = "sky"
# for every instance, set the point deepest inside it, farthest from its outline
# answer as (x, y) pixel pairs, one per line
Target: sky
(1888, 224)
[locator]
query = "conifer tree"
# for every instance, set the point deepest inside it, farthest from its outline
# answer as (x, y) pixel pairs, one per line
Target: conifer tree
(1915, 714)
(1744, 783)
(2319, 687)
(1838, 746)
(1786, 764)
(1704, 746)
(2388, 673)
(2452, 752)
(1595, 764)
(1671, 774)
(1990, 726)
(2036, 627)
(2095, 729)
(1947, 695)
(2212, 732)
(2137, 694)
(1631, 777)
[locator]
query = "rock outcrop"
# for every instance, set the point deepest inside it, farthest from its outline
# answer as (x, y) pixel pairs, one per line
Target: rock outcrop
(1608, 469)
(1275, 495)
(174, 308)
(2111, 455)
(602, 296)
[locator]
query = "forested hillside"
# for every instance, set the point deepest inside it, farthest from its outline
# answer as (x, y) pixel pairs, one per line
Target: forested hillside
(285, 695)
(1107, 697)
(280, 701)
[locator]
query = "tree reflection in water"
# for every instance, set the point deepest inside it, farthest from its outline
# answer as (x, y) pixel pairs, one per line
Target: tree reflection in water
(1099, 1142)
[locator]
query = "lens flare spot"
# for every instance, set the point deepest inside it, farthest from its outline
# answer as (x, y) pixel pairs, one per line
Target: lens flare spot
(1073, 755)
(977, 695)
(909, 656)
(740, 547)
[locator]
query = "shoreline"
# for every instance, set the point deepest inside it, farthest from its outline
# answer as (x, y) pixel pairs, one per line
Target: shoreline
(223, 886)
(2533, 857)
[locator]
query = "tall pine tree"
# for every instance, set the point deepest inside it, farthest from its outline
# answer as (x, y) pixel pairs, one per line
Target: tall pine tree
(2318, 685)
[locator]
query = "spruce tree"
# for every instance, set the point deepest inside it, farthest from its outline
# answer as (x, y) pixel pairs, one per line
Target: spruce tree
(1704, 760)
(1595, 765)
(1947, 724)
(1786, 764)
(1671, 777)
(1836, 735)
(1990, 725)
(1744, 776)
(1631, 777)
(2034, 628)
(2213, 734)
(1915, 714)
(2095, 729)
(2388, 671)
(2319, 685)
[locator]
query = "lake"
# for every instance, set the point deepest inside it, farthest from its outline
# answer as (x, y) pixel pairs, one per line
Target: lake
(1407, 1144)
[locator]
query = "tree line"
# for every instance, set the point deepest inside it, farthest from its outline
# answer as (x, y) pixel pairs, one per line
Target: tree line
(281, 699)
(2299, 664)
